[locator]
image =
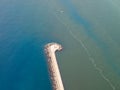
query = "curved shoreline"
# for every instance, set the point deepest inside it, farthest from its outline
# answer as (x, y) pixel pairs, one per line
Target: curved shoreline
(55, 76)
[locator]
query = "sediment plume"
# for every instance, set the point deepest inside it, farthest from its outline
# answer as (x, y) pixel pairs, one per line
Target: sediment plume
(55, 76)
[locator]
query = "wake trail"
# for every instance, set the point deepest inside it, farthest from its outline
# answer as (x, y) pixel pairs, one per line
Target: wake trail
(93, 61)
(90, 57)
(86, 50)
(80, 43)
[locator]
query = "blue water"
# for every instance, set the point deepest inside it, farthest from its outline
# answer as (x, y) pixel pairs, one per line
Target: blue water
(26, 26)
(22, 59)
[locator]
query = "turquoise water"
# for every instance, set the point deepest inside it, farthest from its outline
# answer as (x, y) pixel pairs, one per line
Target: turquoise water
(22, 60)
(88, 31)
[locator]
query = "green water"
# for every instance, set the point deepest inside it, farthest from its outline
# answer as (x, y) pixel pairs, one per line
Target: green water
(90, 37)
(88, 30)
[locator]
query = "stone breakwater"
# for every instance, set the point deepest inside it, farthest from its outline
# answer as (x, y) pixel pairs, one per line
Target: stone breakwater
(55, 76)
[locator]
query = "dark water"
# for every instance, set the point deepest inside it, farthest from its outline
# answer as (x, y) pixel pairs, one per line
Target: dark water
(22, 60)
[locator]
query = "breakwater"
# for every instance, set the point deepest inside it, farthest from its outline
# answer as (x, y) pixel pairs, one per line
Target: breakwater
(56, 80)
